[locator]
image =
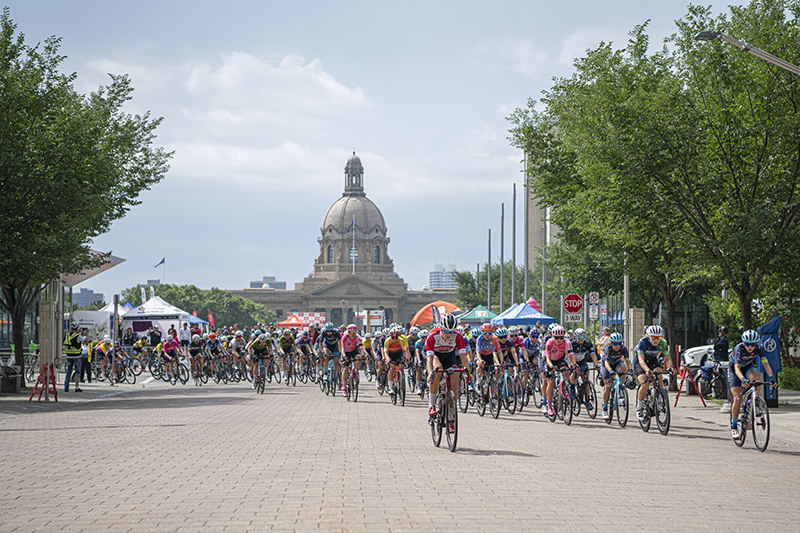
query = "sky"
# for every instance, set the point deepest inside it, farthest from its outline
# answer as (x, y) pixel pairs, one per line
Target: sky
(263, 102)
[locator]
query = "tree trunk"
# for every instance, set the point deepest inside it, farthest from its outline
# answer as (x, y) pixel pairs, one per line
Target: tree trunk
(746, 304)
(18, 335)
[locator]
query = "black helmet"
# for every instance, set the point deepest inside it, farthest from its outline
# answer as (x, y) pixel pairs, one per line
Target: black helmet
(722, 329)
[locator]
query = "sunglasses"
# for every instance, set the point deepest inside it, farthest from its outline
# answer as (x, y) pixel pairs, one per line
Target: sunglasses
(750, 344)
(655, 339)
(449, 331)
(558, 337)
(616, 343)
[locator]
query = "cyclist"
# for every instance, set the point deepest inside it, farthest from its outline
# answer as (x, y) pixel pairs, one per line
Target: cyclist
(305, 350)
(582, 346)
(487, 350)
(615, 361)
(171, 352)
(377, 345)
(257, 350)
(444, 343)
(287, 346)
(238, 347)
(196, 352)
(522, 355)
(651, 351)
(419, 352)
(395, 347)
(507, 353)
(558, 355)
(214, 349)
(411, 340)
(352, 346)
(329, 341)
(743, 369)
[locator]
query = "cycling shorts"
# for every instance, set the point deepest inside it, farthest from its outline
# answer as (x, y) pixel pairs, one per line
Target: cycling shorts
(606, 375)
(349, 356)
(583, 365)
(560, 363)
(733, 379)
(447, 359)
(487, 359)
(651, 363)
(542, 364)
(395, 357)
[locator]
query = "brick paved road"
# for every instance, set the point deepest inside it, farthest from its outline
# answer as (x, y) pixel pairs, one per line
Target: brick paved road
(221, 458)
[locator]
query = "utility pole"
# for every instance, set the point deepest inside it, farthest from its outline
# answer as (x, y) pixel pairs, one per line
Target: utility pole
(514, 247)
(502, 263)
(525, 238)
(489, 275)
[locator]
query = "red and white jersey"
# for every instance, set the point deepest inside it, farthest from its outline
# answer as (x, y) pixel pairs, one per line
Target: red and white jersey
(436, 344)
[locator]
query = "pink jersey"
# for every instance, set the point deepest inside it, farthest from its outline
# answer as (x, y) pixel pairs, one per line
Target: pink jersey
(519, 342)
(555, 351)
(350, 344)
(170, 346)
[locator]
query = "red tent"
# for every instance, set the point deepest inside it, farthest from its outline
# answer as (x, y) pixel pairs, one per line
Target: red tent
(292, 322)
(425, 314)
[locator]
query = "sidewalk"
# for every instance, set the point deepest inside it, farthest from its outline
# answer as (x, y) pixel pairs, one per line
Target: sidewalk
(784, 419)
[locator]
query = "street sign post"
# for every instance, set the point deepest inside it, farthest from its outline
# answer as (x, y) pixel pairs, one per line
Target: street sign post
(594, 297)
(573, 305)
(343, 303)
(593, 311)
(573, 317)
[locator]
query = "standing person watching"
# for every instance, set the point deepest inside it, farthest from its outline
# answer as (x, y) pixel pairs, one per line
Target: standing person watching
(185, 335)
(722, 345)
(155, 336)
(72, 342)
(86, 368)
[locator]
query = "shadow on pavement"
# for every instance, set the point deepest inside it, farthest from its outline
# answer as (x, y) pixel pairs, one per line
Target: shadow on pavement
(494, 452)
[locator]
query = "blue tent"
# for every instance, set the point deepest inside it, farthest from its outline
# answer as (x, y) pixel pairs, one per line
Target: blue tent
(521, 314)
(194, 320)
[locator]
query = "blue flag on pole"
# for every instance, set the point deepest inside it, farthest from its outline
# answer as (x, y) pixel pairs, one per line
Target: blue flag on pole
(160, 262)
(772, 348)
(351, 225)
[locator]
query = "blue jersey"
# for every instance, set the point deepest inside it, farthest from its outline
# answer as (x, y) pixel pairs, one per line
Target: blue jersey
(741, 356)
(652, 353)
(532, 346)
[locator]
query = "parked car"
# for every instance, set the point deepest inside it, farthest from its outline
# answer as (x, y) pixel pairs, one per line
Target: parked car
(699, 356)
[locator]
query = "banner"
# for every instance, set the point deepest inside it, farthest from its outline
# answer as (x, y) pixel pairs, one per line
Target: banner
(436, 316)
(211, 320)
(194, 314)
(152, 292)
(772, 347)
(144, 296)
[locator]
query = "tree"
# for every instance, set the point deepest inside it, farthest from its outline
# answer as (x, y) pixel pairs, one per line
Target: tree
(70, 165)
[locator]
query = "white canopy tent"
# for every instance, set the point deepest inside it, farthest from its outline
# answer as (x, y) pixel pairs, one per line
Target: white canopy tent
(154, 312)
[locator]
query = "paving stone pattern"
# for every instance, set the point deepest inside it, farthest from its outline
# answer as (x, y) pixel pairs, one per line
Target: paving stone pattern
(221, 458)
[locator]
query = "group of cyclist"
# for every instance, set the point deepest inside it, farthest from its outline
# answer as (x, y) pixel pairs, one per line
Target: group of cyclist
(484, 350)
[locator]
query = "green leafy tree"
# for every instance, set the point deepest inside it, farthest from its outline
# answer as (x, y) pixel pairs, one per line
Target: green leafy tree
(70, 165)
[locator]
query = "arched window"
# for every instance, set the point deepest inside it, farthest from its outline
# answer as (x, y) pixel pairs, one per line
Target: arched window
(330, 254)
(377, 255)
(354, 254)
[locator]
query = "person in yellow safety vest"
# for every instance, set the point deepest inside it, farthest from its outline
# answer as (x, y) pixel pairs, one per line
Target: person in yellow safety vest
(72, 342)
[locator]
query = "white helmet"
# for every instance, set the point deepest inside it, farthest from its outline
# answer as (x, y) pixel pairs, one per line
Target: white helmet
(655, 331)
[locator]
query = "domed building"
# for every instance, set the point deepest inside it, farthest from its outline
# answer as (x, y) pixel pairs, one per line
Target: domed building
(353, 265)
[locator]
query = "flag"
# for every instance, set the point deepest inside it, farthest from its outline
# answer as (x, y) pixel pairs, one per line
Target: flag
(144, 297)
(211, 319)
(163, 260)
(194, 314)
(351, 225)
(436, 315)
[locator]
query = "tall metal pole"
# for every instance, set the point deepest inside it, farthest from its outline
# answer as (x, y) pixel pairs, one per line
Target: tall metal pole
(514, 247)
(626, 302)
(525, 238)
(352, 249)
(502, 261)
(543, 303)
(489, 275)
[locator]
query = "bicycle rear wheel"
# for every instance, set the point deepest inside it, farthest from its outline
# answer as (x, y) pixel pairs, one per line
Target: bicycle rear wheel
(451, 411)
(536, 390)
(494, 400)
(130, 375)
(761, 424)
(622, 405)
(463, 394)
(591, 398)
(480, 399)
(401, 392)
(436, 422)
(354, 386)
(575, 399)
(136, 366)
(661, 407)
(566, 403)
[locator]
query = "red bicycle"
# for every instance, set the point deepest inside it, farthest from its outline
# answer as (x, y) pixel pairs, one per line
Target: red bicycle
(446, 411)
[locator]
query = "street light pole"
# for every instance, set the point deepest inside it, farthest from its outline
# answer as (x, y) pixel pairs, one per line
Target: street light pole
(744, 47)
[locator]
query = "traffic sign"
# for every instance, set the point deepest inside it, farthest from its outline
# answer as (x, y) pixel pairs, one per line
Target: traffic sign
(573, 317)
(593, 311)
(573, 303)
(594, 297)
(343, 303)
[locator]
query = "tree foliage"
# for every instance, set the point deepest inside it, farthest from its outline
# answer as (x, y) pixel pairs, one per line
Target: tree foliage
(70, 164)
(226, 308)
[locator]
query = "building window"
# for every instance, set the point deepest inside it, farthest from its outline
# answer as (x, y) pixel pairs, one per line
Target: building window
(337, 314)
(330, 254)
(279, 313)
(354, 253)
(377, 255)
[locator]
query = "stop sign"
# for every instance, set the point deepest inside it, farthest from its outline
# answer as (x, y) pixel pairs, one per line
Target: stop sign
(573, 303)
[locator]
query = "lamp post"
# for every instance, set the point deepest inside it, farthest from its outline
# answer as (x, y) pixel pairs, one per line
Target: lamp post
(744, 47)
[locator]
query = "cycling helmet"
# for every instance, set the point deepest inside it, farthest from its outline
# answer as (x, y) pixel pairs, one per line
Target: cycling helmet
(117, 344)
(212, 336)
(551, 327)
(655, 331)
(195, 337)
(513, 330)
(722, 329)
(144, 340)
(423, 333)
(414, 330)
(616, 337)
(342, 327)
(329, 326)
(262, 337)
(287, 331)
(486, 327)
(580, 333)
(223, 339)
(750, 336)
(205, 336)
(502, 333)
(378, 333)
(107, 339)
(534, 333)
(394, 332)
(476, 332)
(448, 322)
(305, 334)
(558, 331)
(352, 327)
(368, 335)
(239, 333)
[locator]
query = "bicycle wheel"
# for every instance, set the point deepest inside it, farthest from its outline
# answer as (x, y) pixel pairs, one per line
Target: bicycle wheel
(566, 403)
(136, 366)
(451, 412)
(204, 374)
(354, 386)
(512, 395)
(719, 386)
(739, 441)
(536, 390)
(348, 386)
(436, 422)
(661, 408)
(276, 371)
(401, 392)
(293, 375)
(591, 398)
(130, 375)
(494, 400)
(612, 404)
(576, 400)
(183, 373)
(522, 393)
(622, 406)
(463, 394)
(503, 387)
(558, 401)
(761, 424)
(480, 398)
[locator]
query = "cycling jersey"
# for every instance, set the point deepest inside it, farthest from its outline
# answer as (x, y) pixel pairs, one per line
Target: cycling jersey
(420, 346)
(351, 344)
(506, 347)
(260, 348)
(581, 349)
(330, 340)
(532, 347)
(650, 352)
(741, 356)
(445, 350)
(519, 342)
(213, 346)
(195, 347)
(486, 346)
(614, 357)
(367, 343)
(555, 351)
(286, 343)
(238, 344)
(394, 345)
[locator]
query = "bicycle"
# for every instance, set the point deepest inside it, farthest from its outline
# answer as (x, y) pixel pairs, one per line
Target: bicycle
(446, 412)
(464, 393)
(353, 380)
(755, 413)
(290, 374)
(399, 384)
(712, 379)
(508, 390)
(260, 377)
(583, 397)
(655, 404)
(535, 387)
(562, 397)
(619, 402)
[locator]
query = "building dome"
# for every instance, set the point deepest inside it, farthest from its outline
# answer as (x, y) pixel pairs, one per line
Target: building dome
(346, 209)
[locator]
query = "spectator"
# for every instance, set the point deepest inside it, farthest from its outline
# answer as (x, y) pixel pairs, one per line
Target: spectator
(722, 345)
(196, 330)
(184, 335)
(74, 343)
(155, 336)
(172, 331)
(86, 368)
(129, 338)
